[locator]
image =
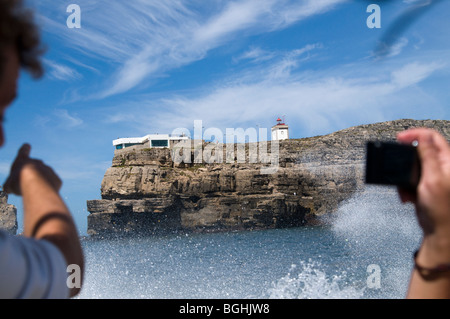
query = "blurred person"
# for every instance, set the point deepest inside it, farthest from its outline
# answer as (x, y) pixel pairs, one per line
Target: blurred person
(33, 265)
(430, 277)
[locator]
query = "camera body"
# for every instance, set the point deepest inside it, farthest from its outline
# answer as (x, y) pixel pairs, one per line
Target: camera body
(390, 163)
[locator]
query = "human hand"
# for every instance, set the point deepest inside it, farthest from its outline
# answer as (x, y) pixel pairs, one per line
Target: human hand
(432, 199)
(25, 169)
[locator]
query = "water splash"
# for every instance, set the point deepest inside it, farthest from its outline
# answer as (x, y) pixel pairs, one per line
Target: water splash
(375, 215)
(372, 228)
(378, 229)
(312, 283)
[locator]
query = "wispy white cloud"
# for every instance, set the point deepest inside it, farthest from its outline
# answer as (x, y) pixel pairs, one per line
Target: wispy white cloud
(144, 39)
(414, 73)
(236, 16)
(290, 58)
(123, 116)
(156, 37)
(290, 61)
(67, 120)
(398, 47)
(255, 54)
(61, 72)
(318, 102)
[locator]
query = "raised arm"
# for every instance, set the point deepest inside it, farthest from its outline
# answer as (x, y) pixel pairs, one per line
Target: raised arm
(45, 214)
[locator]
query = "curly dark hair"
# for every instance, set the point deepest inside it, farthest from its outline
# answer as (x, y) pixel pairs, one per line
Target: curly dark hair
(17, 28)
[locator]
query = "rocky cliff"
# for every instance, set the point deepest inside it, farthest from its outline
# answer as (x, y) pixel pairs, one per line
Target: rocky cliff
(146, 191)
(8, 214)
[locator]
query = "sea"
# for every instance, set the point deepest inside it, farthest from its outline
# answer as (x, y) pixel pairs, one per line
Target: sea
(362, 251)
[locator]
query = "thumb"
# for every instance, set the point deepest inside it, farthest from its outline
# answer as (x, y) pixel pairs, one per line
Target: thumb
(24, 151)
(11, 185)
(22, 156)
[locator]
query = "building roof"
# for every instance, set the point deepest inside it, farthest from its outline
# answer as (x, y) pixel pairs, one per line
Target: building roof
(140, 140)
(130, 140)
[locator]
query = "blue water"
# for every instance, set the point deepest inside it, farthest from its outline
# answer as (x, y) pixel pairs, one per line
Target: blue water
(308, 262)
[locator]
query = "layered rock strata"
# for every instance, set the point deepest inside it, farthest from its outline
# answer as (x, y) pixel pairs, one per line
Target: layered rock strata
(146, 191)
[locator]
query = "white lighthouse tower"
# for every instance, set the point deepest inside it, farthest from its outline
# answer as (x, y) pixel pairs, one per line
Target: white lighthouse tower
(280, 131)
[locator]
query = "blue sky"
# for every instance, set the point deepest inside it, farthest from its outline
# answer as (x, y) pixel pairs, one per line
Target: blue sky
(139, 67)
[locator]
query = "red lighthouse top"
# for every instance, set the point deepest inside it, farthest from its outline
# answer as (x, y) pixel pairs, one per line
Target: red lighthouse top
(280, 121)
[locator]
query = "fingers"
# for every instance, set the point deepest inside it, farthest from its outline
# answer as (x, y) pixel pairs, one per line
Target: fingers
(431, 147)
(430, 144)
(13, 185)
(24, 151)
(429, 156)
(409, 136)
(22, 155)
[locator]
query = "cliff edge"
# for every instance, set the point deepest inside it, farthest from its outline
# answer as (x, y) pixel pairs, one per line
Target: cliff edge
(145, 191)
(8, 215)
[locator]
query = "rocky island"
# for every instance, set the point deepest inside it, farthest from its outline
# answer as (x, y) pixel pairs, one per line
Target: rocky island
(8, 215)
(146, 192)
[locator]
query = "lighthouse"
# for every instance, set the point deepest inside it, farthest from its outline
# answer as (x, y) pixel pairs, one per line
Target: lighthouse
(280, 131)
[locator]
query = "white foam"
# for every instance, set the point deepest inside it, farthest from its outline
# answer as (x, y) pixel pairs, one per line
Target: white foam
(377, 229)
(312, 283)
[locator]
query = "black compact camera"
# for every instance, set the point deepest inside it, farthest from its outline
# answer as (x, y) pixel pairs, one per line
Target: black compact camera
(390, 163)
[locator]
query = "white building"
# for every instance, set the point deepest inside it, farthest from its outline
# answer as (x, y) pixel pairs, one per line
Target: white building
(152, 140)
(280, 131)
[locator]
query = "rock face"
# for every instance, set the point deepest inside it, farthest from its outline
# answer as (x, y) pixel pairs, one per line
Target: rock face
(8, 214)
(145, 191)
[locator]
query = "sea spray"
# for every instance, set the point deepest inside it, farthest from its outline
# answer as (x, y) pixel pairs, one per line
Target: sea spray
(377, 234)
(308, 281)
(380, 230)
(370, 231)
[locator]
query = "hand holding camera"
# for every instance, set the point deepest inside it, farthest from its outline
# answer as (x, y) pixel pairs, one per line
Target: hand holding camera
(429, 160)
(420, 167)
(432, 198)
